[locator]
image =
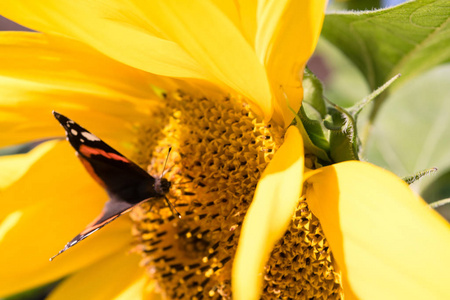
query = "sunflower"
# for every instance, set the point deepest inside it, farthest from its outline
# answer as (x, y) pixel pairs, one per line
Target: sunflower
(203, 78)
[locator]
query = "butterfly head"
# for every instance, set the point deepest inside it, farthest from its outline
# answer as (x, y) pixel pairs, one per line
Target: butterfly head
(162, 186)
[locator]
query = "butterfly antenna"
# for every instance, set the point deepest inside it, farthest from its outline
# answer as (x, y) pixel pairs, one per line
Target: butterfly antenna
(172, 208)
(165, 163)
(53, 257)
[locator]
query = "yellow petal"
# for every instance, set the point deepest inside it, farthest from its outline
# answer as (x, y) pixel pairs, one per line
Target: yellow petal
(247, 10)
(387, 242)
(25, 247)
(43, 210)
(141, 288)
(49, 178)
(115, 28)
(116, 275)
(44, 73)
(205, 32)
(276, 198)
(13, 167)
(286, 37)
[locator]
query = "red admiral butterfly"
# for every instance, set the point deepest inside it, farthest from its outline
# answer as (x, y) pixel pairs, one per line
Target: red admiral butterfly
(125, 182)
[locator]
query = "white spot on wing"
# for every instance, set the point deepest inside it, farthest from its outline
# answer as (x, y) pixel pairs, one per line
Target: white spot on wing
(90, 136)
(82, 140)
(74, 132)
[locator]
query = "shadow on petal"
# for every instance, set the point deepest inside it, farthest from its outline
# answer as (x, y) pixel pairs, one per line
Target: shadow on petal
(386, 240)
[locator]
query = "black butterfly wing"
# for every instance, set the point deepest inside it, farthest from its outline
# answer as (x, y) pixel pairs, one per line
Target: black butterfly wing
(125, 182)
(120, 177)
(111, 211)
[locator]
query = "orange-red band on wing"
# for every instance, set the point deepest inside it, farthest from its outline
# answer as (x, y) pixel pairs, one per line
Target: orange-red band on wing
(89, 151)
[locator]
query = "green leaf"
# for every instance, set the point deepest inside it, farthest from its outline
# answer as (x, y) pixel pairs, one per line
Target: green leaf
(412, 132)
(362, 5)
(408, 39)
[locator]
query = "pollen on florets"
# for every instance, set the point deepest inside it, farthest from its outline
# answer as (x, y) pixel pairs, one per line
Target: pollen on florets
(220, 149)
(301, 264)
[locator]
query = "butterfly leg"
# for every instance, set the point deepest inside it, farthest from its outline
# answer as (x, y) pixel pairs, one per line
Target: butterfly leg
(172, 208)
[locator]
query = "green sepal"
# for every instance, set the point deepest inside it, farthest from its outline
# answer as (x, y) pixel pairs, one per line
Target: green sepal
(356, 109)
(418, 175)
(344, 144)
(342, 123)
(316, 116)
(314, 130)
(313, 93)
(310, 147)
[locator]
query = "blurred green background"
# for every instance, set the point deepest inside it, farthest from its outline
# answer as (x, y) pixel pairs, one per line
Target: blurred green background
(411, 130)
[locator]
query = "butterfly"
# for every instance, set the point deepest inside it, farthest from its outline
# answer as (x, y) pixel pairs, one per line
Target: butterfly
(126, 184)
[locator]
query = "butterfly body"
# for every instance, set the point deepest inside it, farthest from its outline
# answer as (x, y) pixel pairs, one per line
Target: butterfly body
(125, 182)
